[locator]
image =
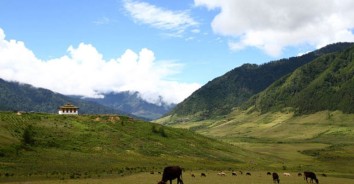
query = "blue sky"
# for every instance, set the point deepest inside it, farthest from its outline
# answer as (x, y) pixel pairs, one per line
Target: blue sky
(159, 48)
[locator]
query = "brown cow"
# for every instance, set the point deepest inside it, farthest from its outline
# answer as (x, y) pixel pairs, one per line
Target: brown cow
(310, 175)
(171, 173)
(275, 177)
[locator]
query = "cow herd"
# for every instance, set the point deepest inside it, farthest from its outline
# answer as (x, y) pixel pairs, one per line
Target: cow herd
(175, 172)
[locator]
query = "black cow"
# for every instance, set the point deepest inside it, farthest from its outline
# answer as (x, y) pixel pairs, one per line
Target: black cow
(310, 175)
(248, 174)
(203, 175)
(275, 177)
(268, 173)
(171, 173)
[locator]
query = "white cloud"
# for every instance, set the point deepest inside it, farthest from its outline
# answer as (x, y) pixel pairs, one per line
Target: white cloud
(83, 71)
(157, 17)
(271, 25)
(102, 21)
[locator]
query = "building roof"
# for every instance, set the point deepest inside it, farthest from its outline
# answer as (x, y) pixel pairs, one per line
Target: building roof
(68, 106)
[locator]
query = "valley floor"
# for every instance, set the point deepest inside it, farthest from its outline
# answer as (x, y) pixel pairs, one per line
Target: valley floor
(321, 142)
(258, 177)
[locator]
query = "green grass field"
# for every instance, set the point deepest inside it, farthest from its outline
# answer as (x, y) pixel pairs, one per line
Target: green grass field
(118, 149)
(323, 141)
(211, 178)
(91, 146)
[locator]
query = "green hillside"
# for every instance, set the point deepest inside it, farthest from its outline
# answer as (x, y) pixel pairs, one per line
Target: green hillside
(97, 145)
(326, 83)
(220, 95)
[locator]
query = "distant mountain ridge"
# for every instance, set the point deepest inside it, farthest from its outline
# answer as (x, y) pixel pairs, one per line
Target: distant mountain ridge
(24, 97)
(132, 102)
(237, 86)
(15, 96)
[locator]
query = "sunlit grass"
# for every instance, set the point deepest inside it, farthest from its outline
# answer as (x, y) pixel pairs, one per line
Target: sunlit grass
(211, 178)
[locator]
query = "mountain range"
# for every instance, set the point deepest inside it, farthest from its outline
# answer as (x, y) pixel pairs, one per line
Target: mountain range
(132, 102)
(321, 76)
(16, 96)
(237, 87)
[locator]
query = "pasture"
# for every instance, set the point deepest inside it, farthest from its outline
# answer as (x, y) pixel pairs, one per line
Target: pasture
(259, 177)
(322, 141)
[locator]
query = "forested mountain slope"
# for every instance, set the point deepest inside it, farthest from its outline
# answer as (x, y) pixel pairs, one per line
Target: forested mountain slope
(326, 83)
(222, 94)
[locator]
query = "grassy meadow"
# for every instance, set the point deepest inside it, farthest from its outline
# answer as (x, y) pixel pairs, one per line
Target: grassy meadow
(322, 142)
(259, 177)
(49, 148)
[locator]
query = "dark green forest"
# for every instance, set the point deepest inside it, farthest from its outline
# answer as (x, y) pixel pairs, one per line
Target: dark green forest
(327, 83)
(237, 86)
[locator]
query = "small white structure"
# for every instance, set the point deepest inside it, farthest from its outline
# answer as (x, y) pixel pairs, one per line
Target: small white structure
(68, 109)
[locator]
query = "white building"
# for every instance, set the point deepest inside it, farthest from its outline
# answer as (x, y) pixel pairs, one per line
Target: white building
(68, 109)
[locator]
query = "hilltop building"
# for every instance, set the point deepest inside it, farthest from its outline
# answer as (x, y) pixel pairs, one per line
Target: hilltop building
(68, 109)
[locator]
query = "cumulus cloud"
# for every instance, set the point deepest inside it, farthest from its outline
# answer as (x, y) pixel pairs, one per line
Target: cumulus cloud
(272, 25)
(157, 17)
(83, 71)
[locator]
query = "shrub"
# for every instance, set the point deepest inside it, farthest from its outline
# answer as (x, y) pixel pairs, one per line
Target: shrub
(28, 136)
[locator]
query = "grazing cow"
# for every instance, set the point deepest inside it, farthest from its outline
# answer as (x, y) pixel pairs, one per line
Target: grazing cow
(152, 172)
(275, 177)
(248, 174)
(310, 175)
(234, 173)
(324, 175)
(286, 174)
(222, 173)
(193, 175)
(241, 172)
(171, 173)
(203, 175)
(268, 173)
(299, 174)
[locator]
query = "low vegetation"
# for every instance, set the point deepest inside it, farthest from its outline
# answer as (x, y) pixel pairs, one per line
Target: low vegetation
(258, 177)
(35, 145)
(322, 141)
